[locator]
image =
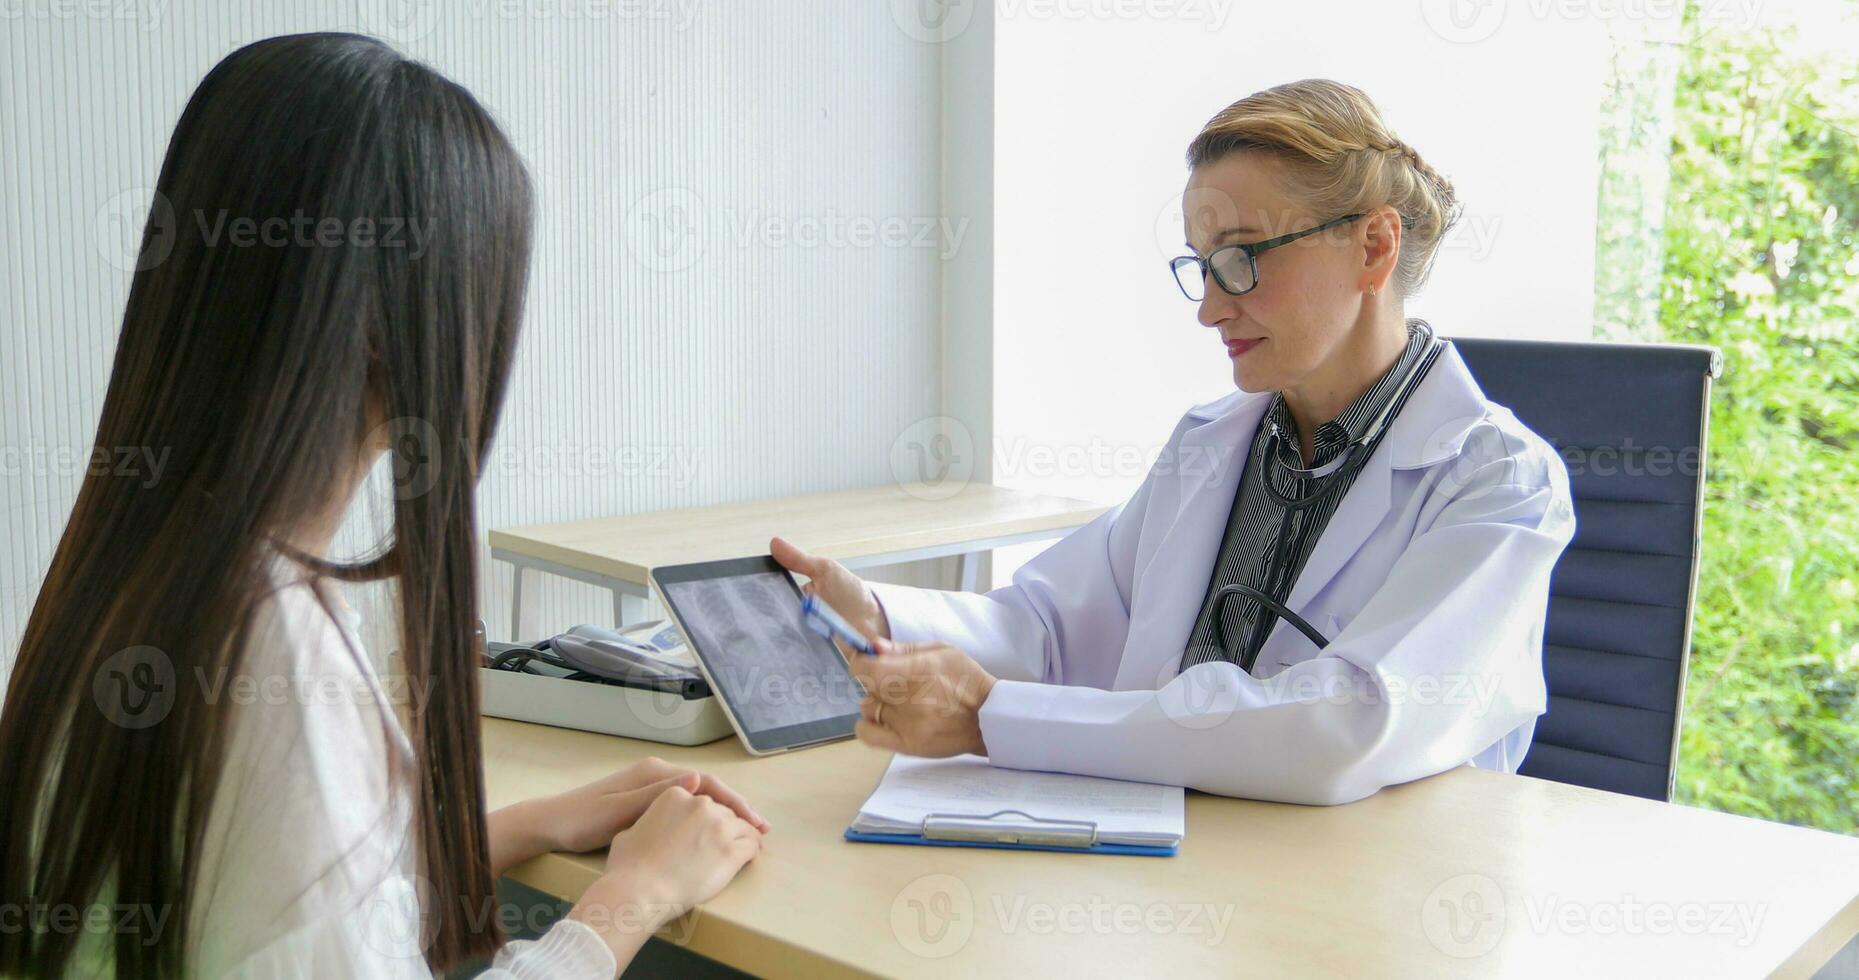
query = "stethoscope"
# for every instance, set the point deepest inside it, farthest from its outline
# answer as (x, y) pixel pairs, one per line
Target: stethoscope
(1327, 479)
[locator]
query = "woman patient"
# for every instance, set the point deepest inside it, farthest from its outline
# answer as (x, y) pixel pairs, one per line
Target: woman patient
(308, 836)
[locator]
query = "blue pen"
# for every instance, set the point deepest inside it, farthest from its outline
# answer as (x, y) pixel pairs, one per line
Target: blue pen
(824, 620)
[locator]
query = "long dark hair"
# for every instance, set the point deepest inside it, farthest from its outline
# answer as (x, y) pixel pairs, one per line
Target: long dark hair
(257, 360)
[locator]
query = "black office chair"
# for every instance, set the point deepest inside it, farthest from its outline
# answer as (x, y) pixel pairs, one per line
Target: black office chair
(1630, 421)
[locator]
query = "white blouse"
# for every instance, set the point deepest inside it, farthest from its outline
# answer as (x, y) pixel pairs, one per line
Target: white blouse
(308, 866)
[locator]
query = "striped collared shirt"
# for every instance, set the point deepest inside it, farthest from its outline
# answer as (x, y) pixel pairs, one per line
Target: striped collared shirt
(1258, 527)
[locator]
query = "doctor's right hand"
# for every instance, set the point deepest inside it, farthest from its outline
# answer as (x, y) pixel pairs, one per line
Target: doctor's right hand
(838, 587)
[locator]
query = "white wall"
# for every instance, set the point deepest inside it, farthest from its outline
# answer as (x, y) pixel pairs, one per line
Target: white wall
(1096, 352)
(706, 322)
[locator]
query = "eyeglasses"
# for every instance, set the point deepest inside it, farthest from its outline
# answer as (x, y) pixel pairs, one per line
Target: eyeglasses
(1236, 267)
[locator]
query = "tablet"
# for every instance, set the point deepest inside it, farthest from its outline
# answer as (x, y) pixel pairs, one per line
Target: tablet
(782, 685)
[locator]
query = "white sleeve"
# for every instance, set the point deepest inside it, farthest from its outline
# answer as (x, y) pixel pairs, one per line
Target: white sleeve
(306, 868)
(1064, 618)
(380, 939)
(1433, 671)
(569, 949)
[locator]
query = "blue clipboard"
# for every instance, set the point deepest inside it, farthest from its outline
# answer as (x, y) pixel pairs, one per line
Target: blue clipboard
(1029, 833)
(1130, 849)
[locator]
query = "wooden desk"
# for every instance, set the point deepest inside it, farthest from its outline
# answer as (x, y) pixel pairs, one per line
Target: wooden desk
(1573, 882)
(864, 527)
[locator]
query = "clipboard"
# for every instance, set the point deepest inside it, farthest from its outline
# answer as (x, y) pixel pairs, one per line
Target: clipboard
(1000, 830)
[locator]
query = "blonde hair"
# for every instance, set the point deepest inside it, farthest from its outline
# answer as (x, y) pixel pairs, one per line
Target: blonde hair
(1341, 158)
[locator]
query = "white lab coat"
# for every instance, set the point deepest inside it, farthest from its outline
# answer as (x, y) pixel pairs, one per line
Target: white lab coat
(1431, 582)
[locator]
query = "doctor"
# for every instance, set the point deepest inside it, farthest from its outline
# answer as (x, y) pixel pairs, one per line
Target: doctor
(1358, 481)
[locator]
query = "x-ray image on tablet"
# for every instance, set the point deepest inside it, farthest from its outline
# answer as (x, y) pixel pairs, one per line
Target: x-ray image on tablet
(782, 685)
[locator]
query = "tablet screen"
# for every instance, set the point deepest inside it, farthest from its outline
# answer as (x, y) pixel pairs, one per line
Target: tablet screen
(784, 685)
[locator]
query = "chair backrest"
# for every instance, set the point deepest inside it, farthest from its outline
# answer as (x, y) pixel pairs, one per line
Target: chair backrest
(1630, 421)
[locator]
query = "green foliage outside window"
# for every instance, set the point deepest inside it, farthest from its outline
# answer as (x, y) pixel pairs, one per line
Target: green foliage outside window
(1758, 255)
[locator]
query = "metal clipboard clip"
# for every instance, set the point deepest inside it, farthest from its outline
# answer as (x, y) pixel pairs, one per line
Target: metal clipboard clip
(975, 828)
